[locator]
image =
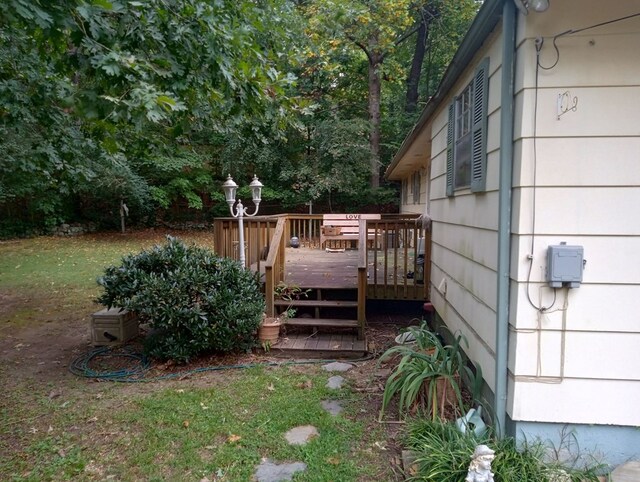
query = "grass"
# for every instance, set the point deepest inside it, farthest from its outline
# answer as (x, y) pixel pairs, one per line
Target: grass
(186, 432)
(442, 454)
(54, 426)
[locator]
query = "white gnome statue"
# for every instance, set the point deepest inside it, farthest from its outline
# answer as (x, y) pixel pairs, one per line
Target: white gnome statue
(480, 466)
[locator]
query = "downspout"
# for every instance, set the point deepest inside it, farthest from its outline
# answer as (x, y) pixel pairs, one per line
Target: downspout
(504, 212)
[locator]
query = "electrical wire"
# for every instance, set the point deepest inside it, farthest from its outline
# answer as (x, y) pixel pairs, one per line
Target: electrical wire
(540, 308)
(572, 32)
(80, 366)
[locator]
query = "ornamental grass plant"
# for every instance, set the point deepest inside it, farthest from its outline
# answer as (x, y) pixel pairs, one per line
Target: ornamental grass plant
(443, 454)
(427, 378)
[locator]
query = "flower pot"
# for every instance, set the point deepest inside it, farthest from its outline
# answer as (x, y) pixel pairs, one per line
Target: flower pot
(269, 330)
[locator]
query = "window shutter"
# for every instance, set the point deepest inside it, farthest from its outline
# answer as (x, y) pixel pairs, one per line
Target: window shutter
(479, 129)
(450, 167)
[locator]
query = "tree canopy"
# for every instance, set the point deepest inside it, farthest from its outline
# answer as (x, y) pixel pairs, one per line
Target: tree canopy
(155, 101)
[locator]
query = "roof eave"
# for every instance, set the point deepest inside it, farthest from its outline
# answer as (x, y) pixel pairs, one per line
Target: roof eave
(485, 21)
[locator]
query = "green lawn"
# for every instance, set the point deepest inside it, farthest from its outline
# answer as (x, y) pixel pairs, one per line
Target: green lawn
(218, 425)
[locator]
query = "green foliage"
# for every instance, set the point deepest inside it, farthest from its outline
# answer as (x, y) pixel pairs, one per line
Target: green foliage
(94, 94)
(425, 370)
(444, 454)
(196, 301)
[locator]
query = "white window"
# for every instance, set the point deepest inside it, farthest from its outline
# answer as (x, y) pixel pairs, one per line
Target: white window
(415, 182)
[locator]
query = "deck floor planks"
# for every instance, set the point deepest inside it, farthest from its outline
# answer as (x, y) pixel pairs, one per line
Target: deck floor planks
(324, 342)
(323, 345)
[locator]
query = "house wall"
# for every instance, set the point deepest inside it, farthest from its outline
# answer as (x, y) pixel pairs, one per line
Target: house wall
(579, 176)
(577, 180)
(464, 229)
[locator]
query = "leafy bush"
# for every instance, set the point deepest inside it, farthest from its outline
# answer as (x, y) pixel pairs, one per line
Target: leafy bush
(196, 302)
(428, 374)
(443, 454)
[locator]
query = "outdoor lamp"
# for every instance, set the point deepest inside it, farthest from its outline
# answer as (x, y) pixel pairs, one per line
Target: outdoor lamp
(539, 5)
(256, 190)
(239, 211)
(535, 5)
(230, 188)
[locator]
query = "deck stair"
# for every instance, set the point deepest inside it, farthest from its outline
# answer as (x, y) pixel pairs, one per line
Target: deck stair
(325, 324)
(323, 308)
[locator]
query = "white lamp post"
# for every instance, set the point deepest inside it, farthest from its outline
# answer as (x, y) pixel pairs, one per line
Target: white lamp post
(230, 188)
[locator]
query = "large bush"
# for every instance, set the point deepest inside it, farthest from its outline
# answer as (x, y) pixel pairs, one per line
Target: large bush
(195, 301)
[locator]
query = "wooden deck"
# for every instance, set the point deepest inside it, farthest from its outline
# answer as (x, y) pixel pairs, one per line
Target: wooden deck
(321, 345)
(315, 268)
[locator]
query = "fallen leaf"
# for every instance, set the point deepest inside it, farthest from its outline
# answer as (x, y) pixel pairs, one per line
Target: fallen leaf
(333, 461)
(233, 438)
(93, 419)
(270, 387)
(305, 384)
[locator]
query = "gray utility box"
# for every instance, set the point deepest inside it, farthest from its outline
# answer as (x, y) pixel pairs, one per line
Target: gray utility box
(113, 326)
(565, 265)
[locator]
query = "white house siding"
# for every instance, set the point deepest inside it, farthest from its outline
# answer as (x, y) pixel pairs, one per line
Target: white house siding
(464, 232)
(579, 362)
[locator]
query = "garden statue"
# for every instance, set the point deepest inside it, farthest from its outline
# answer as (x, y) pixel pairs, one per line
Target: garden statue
(480, 466)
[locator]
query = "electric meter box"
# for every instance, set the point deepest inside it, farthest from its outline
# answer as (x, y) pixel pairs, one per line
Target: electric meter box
(565, 265)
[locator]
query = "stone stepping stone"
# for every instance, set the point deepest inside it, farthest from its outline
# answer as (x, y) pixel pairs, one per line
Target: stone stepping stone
(269, 471)
(335, 382)
(301, 435)
(334, 407)
(337, 367)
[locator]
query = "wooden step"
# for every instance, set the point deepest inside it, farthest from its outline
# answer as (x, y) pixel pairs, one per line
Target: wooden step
(321, 346)
(322, 322)
(318, 303)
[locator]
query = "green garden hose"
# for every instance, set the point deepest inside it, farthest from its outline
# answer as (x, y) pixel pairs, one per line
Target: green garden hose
(141, 366)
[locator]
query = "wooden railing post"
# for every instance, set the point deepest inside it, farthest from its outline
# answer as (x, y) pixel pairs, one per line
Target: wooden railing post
(362, 278)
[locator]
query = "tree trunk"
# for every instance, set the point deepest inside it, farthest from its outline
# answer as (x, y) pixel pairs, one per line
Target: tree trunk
(375, 63)
(413, 80)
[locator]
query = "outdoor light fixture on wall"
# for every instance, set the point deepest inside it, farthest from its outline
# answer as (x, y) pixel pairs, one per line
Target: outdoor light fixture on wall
(536, 5)
(230, 188)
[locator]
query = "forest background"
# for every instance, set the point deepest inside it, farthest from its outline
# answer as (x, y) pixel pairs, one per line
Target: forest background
(154, 102)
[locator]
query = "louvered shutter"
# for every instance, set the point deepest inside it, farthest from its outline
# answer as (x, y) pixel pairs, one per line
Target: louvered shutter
(479, 128)
(450, 166)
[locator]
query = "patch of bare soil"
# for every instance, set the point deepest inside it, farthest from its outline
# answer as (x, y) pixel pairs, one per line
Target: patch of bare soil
(39, 351)
(40, 347)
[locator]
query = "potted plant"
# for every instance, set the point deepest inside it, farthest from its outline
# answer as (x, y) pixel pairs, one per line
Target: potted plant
(269, 330)
(427, 377)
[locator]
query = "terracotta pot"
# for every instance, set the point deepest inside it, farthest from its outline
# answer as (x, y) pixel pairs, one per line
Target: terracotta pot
(269, 330)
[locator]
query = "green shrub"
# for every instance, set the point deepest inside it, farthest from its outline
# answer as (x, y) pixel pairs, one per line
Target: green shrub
(443, 455)
(195, 301)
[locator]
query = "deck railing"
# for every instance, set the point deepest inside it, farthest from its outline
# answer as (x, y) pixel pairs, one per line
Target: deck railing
(399, 259)
(395, 265)
(274, 265)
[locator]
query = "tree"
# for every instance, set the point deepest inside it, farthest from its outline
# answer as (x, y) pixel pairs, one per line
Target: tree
(376, 28)
(101, 88)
